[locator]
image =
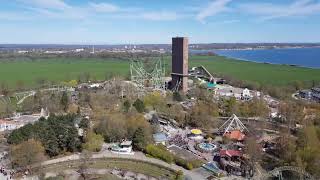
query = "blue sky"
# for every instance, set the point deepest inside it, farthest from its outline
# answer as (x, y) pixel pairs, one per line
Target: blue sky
(156, 21)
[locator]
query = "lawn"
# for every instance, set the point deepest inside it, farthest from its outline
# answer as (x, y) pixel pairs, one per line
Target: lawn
(115, 163)
(29, 72)
(269, 74)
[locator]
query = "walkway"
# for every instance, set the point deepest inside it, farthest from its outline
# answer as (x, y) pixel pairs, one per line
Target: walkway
(137, 156)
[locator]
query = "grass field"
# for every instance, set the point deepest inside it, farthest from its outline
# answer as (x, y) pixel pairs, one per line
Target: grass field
(118, 163)
(61, 69)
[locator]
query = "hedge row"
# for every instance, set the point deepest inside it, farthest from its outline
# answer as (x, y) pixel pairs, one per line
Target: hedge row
(160, 152)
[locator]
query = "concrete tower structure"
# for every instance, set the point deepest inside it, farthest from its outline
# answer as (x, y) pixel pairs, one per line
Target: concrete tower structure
(180, 63)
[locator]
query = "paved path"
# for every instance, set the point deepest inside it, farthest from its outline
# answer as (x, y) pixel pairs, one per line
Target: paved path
(137, 156)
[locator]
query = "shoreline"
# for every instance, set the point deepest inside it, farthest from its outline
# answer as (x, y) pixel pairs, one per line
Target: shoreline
(252, 49)
(268, 63)
(224, 53)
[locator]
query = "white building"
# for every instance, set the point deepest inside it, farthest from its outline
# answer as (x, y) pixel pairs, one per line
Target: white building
(22, 52)
(6, 125)
(79, 50)
(123, 148)
(229, 91)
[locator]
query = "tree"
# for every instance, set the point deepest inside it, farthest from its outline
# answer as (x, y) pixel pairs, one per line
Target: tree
(64, 101)
(141, 139)
(73, 83)
(84, 123)
(202, 113)
(20, 85)
(139, 105)
(93, 142)
(308, 150)
(229, 106)
(286, 148)
(4, 89)
(154, 100)
(112, 128)
(57, 134)
(253, 150)
(126, 105)
(177, 97)
(27, 153)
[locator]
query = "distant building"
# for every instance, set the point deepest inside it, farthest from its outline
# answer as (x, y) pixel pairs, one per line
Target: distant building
(306, 94)
(23, 52)
(313, 94)
(160, 138)
(79, 50)
(238, 93)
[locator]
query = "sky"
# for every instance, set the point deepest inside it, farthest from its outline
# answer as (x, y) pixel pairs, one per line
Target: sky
(156, 21)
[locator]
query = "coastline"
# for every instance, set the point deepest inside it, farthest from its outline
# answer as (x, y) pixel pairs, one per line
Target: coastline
(291, 57)
(248, 49)
(268, 63)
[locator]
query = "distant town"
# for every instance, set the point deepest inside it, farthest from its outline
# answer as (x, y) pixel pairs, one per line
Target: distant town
(147, 123)
(141, 48)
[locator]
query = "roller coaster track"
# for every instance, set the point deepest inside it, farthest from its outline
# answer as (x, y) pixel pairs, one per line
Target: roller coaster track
(22, 96)
(277, 172)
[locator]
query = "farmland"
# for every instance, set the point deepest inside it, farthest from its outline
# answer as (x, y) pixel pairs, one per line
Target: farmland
(29, 73)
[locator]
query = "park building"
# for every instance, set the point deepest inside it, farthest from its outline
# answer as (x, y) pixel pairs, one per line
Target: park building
(8, 125)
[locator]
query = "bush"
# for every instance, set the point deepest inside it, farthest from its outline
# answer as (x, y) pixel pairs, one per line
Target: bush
(139, 105)
(188, 164)
(179, 175)
(196, 163)
(160, 152)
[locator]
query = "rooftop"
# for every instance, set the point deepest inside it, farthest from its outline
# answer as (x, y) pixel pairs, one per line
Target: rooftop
(126, 143)
(230, 153)
(159, 137)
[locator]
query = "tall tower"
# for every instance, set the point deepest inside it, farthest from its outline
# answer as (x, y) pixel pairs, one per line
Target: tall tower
(180, 63)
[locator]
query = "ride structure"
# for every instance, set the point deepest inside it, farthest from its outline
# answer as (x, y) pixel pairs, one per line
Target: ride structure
(277, 172)
(144, 80)
(233, 123)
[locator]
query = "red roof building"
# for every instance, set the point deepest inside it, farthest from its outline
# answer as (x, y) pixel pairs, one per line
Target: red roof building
(230, 153)
(235, 135)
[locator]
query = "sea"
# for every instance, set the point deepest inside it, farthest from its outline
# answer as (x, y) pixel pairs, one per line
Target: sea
(305, 57)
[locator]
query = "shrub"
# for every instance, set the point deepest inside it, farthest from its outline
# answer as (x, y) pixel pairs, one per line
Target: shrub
(188, 164)
(179, 175)
(139, 105)
(196, 163)
(160, 152)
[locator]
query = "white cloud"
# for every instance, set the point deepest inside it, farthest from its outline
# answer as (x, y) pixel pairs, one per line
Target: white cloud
(213, 8)
(104, 7)
(268, 11)
(47, 4)
(14, 16)
(159, 16)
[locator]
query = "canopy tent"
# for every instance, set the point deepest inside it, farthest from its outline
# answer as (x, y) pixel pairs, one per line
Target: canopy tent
(196, 131)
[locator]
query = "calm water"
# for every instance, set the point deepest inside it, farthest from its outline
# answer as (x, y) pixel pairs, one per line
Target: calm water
(307, 57)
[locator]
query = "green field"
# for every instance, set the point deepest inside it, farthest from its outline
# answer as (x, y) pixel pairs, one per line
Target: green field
(61, 69)
(137, 166)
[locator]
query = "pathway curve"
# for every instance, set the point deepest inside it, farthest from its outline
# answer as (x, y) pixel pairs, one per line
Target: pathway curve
(137, 156)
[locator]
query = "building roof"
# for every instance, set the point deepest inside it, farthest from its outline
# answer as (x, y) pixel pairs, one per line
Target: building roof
(159, 137)
(126, 143)
(2, 121)
(235, 135)
(230, 153)
(316, 89)
(211, 85)
(196, 131)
